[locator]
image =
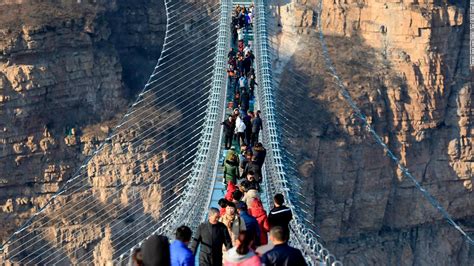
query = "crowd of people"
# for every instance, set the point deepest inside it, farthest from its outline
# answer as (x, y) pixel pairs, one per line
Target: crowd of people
(240, 233)
(236, 235)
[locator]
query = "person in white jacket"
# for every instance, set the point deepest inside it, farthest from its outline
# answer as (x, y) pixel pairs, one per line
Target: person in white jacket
(247, 49)
(240, 130)
(243, 82)
(240, 34)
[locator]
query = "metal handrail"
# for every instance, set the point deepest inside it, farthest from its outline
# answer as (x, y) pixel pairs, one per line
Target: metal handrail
(277, 178)
(189, 209)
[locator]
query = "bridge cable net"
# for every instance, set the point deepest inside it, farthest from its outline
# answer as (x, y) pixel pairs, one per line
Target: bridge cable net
(290, 132)
(158, 141)
(276, 177)
(193, 205)
(290, 125)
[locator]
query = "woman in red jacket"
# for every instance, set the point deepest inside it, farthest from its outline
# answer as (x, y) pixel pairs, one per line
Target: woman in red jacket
(256, 210)
(230, 190)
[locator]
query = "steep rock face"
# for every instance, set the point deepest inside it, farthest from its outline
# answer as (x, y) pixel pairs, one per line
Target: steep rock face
(406, 65)
(68, 71)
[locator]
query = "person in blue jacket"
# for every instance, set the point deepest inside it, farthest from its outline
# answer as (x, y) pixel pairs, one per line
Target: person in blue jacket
(251, 223)
(181, 255)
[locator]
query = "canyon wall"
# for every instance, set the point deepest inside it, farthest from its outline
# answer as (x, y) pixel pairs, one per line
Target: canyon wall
(68, 72)
(406, 65)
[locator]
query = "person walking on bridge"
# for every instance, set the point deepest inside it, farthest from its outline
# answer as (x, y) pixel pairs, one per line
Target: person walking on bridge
(250, 182)
(211, 235)
(229, 127)
(242, 254)
(257, 125)
(282, 254)
(243, 163)
(240, 131)
(260, 152)
(252, 84)
(232, 76)
(223, 204)
(181, 255)
(242, 82)
(235, 33)
(236, 99)
(231, 53)
(250, 195)
(247, 64)
(254, 166)
(156, 251)
(231, 170)
(280, 215)
(251, 224)
(244, 101)
(256, 210)
(231, 64)
(233, 221)
(247, 118)
(247, 49)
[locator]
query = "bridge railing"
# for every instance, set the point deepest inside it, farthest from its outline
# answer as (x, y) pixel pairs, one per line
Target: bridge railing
(203, 176)
(275, 174)
(198, 189)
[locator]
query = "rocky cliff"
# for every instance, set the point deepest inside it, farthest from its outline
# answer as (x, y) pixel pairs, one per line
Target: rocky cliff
(406, 65)
(68, 71)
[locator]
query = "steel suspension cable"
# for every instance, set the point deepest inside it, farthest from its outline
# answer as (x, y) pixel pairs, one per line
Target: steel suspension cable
(54, 196)
(151, 128)
(118, 190)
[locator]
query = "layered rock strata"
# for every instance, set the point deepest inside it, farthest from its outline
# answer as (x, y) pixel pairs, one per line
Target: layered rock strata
(68, 71)
(405, 64)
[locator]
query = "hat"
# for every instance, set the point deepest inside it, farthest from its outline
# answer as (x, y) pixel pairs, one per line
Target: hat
(241, 205)
(232, 148)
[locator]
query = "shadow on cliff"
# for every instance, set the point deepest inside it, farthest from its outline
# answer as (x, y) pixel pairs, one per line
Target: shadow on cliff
(137, 32)
(357, 195)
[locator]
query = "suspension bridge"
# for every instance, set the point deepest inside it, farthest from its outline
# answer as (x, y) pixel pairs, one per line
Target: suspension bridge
(173, 137)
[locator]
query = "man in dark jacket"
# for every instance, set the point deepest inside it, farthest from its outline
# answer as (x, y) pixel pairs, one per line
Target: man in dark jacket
(252, 84)
(229, 127)
(248, 127)
(254, 166)
(231, 53)
(240, 65)
(250, 182)
(247, 64)
(280, 215)
(244, 101)
(257, 125)
(260, 152)
(251, 223)
(282, 254)
(211, 235)
(252, 57)
(235, 34)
